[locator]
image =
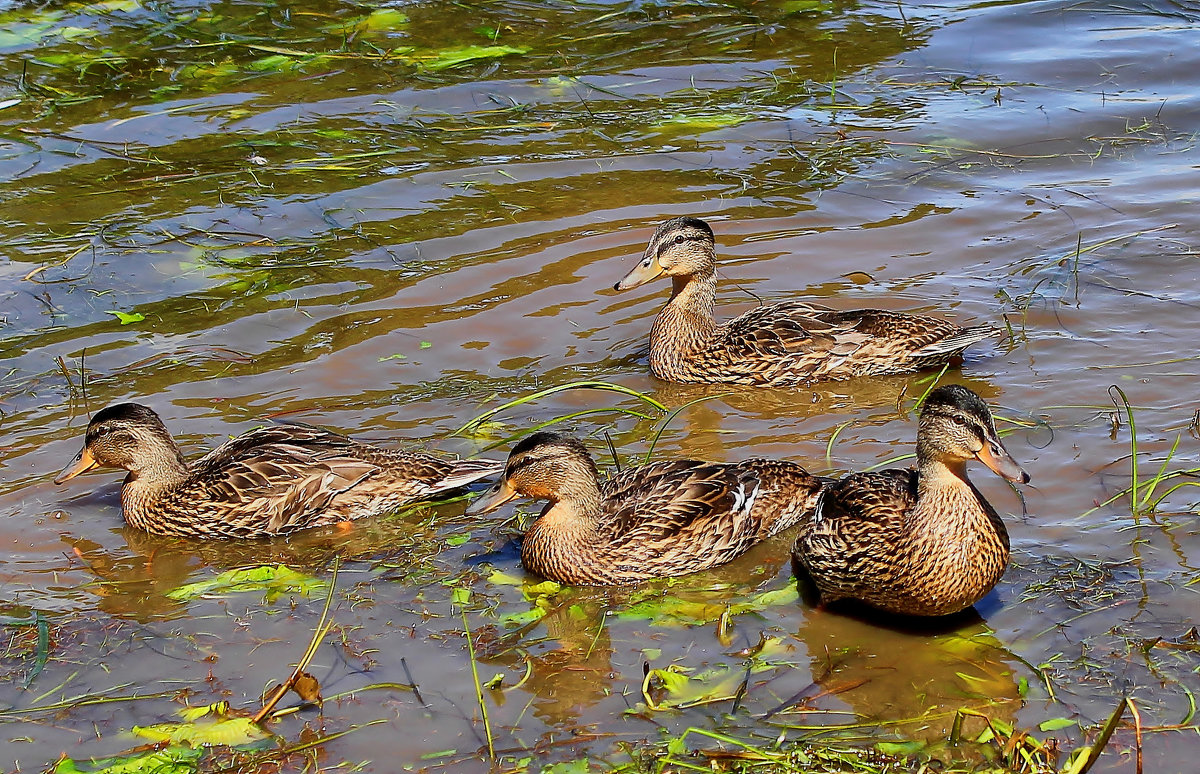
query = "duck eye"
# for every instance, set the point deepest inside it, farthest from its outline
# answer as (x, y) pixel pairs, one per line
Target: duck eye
(680, 239)
(958, 421)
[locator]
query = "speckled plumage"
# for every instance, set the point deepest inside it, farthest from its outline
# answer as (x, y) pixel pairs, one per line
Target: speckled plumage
(918, 541)
(270, 481)
(666, 518)
(793, 342)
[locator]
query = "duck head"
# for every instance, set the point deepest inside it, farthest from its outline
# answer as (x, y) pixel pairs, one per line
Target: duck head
(956, 426)
(680, 247)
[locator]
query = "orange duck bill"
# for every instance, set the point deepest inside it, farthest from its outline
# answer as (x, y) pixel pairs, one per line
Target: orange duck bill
(997, 458)
(646, 270)
(492, 499)
(83, 462)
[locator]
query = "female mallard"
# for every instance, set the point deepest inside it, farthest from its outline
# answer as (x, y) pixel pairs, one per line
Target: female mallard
(270, 481)
(793, 342)
(918, 541)
(665, 518)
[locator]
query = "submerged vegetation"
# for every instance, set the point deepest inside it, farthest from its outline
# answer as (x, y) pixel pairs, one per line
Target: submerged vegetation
(500, 613)
(309, 211)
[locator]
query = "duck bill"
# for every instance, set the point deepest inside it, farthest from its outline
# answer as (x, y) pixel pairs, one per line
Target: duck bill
(641, 274)
(83, 462)
(998, 460)
(492, 499)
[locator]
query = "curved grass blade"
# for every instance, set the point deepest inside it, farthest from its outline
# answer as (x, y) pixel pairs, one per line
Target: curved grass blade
(666, 421)
(584, 385)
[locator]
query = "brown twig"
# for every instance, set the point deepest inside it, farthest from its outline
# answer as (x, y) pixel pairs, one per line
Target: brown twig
(323, 627)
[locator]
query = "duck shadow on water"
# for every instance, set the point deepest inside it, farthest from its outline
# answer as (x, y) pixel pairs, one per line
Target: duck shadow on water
(906, 673)
(134, 576)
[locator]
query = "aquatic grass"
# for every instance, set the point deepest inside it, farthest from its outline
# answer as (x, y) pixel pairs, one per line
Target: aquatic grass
(478, 421)
(324, 624)
(461, 596)
(41, 653)
(1009, 749)
(1144, 496)
(675, 413)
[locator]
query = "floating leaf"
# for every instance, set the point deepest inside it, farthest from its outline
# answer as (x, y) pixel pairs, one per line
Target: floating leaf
(702, 123)
(426, 344)
(504, 579)
(460, 595)
(24, 35)
(396, 356)
(805, 6)
(900, 748)
(195, 713)
(109, 6)
(463, 55)
(788, 595)
(273, 579)
(275, 62)
(670, 688)
(534, 590)
(307, 688)
(127, 318)
(77, 33)
(668, 610)
(169, 760)
(229, 732)
(385, 19)
(1055, 724)
(524, 617)
(379, 20)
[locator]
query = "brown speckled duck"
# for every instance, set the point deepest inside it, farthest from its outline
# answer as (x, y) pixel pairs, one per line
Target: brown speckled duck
(270, 481)
(666, 518)
(793, 342)
(919, 541)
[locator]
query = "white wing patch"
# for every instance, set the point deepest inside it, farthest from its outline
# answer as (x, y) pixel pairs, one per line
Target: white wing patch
(743, 504)
(819, 510)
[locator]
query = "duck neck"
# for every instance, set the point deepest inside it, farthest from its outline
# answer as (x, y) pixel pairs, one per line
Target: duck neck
(948, 504)
(160, 469)
(686, 323)
(568, 527)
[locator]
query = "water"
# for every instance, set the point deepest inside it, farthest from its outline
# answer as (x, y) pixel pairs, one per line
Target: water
(421, 245)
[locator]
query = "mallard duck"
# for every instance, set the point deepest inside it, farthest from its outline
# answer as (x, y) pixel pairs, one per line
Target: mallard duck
(788, 343)
(270, 481)
(666, 518)
(919, 541)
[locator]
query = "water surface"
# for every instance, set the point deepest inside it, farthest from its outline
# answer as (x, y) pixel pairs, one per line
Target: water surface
(315, 222)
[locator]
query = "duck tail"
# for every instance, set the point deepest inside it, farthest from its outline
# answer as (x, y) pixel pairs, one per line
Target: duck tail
(955, 343)
(464, 472)
(804, 503)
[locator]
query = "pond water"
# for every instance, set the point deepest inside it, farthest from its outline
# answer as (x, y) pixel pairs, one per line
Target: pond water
(389, 222)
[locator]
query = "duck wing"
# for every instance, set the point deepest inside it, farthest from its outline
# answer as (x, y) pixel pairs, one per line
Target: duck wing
(797, 341)
(791, 329)
(686, 506)
(857, 527)
(278, 479)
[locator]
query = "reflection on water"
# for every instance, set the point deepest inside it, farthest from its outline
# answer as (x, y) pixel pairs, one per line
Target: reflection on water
(422, 244)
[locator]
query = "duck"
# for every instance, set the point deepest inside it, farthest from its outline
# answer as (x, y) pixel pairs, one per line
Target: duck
(270, 481)
(662, 519)
(917, 541)
(784, 344)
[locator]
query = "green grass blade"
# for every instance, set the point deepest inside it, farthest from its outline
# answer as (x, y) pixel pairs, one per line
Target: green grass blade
(584, 385)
